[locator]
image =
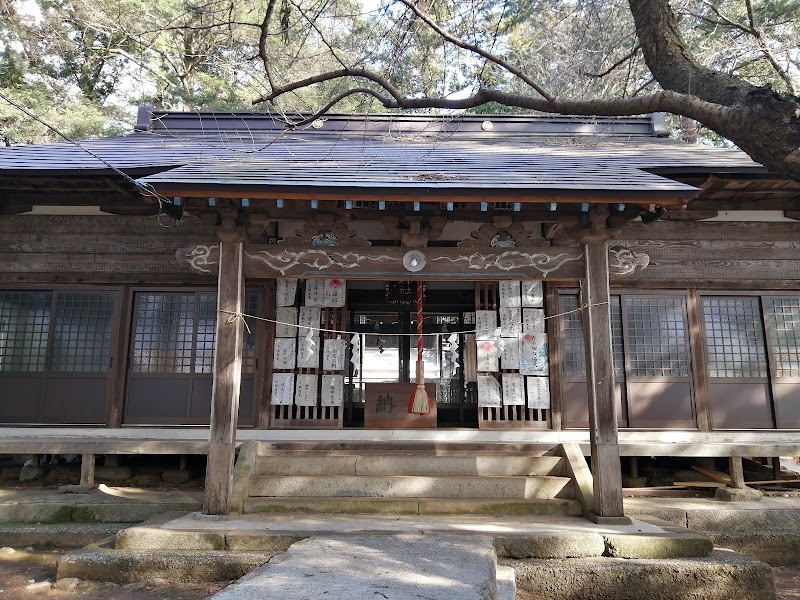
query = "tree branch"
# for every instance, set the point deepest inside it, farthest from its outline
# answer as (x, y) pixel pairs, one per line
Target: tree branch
(476, 50)
(617, 64)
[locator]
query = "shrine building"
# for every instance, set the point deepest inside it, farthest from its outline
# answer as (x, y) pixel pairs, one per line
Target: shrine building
(213, 278)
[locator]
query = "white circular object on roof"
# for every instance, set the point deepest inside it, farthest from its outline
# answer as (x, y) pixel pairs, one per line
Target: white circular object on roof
(317, 123)
(487, 125)
(414, 261)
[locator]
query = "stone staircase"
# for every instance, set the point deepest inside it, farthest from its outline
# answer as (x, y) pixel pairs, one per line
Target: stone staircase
(406, 478)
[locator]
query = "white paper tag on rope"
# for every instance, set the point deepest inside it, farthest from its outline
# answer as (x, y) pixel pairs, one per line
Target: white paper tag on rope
(513, 389)
(332, 390)
(283, 357)
(285, 292)
(485, 324)
(282, 388)
(288, 315)
(532, 294)
(333, 354)
(510, 322)
(538, 392)
(533, 320)
(326, 292)
(309, 318)
(305, 393)
(533, 354)
(509, 357)
(308, 350)
(488, 353)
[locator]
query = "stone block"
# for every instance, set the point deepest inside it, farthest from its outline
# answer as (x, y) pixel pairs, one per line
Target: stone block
(128, 566)
(720, 576)
(746, 494)
(115, 473)
(155, 538)
(657, 545)
(556, 545)
(177, 476)
(31, 473)
(259, 542)
(776, 548)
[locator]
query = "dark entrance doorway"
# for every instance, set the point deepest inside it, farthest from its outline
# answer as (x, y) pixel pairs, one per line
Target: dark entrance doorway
(386, 315)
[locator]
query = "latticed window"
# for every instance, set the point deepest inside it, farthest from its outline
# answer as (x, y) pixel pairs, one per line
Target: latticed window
(574, 353)
(176, 333)
(24, 330)
(784, 335)
(656, 337)
(734, 337)
(62, 332)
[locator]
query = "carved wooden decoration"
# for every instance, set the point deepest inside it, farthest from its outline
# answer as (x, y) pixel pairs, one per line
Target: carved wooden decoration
(325, 233)
(560, 263)
(502, 234)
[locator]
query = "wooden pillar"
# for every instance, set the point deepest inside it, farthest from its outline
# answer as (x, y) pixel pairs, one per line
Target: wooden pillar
(227, 374)
(737, 472)
(603, 436)
(87, 470)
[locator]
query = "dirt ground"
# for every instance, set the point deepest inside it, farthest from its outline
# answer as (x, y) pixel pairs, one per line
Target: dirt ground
(28, 575)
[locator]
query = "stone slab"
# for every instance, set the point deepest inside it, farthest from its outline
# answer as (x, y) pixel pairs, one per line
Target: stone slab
(720, 576)
(402, 567)
(506, 583)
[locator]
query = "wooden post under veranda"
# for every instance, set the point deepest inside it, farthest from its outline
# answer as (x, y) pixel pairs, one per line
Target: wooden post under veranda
(227, 373)
(603, 432)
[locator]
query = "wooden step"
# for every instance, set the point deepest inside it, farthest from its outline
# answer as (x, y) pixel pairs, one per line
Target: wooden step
(542, 486)
(413, 506)
(421, 448)
(400, 464)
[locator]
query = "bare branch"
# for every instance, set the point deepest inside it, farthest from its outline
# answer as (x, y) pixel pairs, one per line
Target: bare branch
(617, 64)
(475, 49)
(766, 49)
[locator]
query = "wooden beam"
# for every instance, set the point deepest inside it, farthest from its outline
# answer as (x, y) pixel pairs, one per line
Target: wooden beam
(603, 434)
(418, 194)
(227, 374)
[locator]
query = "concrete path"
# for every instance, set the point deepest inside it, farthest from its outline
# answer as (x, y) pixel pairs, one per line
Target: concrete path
(390, 567)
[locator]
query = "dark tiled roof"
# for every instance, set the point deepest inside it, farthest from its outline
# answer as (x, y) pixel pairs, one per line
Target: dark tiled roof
(555, 154)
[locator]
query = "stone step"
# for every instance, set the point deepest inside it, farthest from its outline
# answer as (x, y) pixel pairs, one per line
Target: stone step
(402, 464)
(65, 535)
(413, 506)
(719, 576)
(543, 486)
